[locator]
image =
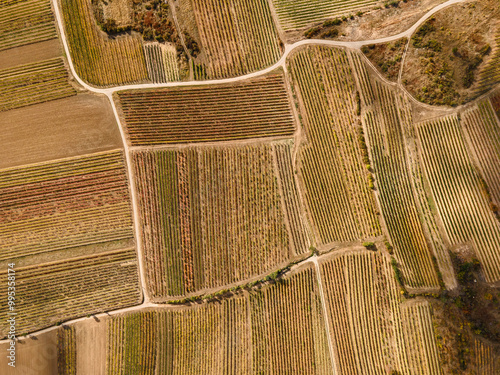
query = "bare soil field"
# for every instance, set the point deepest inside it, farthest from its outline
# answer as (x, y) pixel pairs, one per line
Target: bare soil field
(91, 347)
(33, 357)
(72, 126)
(30, 53)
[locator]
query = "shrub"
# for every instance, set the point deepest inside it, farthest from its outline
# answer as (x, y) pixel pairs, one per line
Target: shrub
(312, 32)
(334, 22)
(370, 245)
(332, 33)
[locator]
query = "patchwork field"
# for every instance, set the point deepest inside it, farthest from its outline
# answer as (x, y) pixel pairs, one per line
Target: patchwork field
(457, 191)
(237, 37)
(332, 169)
(233, 336)
(252, 109)
(300, 13)
(34, 83)
(99, 60)
(213, 216)
(68, 221)
(24, 22)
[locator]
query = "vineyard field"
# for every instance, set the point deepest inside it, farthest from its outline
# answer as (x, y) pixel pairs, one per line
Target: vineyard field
(384, 130)
(34, 83)
(66, 351)
(300, 13)
(457, 191)
(70, 203)
(258, 333)
(99, 60)
(489, 75)
(483, 131)
(25, 22)
(331, 166)
(213, 216)
(85, 285)
(258, 108)
(237, 36)
(367, 319)
(161, 62)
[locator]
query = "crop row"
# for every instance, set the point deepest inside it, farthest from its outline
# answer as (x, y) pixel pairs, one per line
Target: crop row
(279, 329)
(483, 130)
(397, 198)
(331, 165)
(238, 36)
(61, 204)
(258, 108)
(457, 191)
(62, 290)
(161, 62)
(489, 75)
(293, 14)
(367, 319)
(25, 22)
(210, 216)
(34, 83)
(99, 60)
(66, 351)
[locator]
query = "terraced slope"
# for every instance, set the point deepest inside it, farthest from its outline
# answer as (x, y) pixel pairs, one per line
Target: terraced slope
(335, 178)
(252, 109)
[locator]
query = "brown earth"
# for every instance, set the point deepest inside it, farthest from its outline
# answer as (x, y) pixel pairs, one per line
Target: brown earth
(387, 57)
(30, 53)
(377, 23)
(33, 357)
(72, 126)
(447, 51)
(91, 346)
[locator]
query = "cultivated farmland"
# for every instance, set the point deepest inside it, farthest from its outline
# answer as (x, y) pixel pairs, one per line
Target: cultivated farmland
(456, 191)
(334, 175)
(237, 36)
(256, 108)
(483, 131)
(387, 147)
(213, 216)
(277, 329)
(299, 13)
(34, 83)
(364, 308)
(25, 22)
(68, 221)
(99, 60)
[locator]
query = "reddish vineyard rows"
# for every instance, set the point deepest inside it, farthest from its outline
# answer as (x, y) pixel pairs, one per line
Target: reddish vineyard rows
(213, 216)
(258, 108)
(63, 204)
(335, 178)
